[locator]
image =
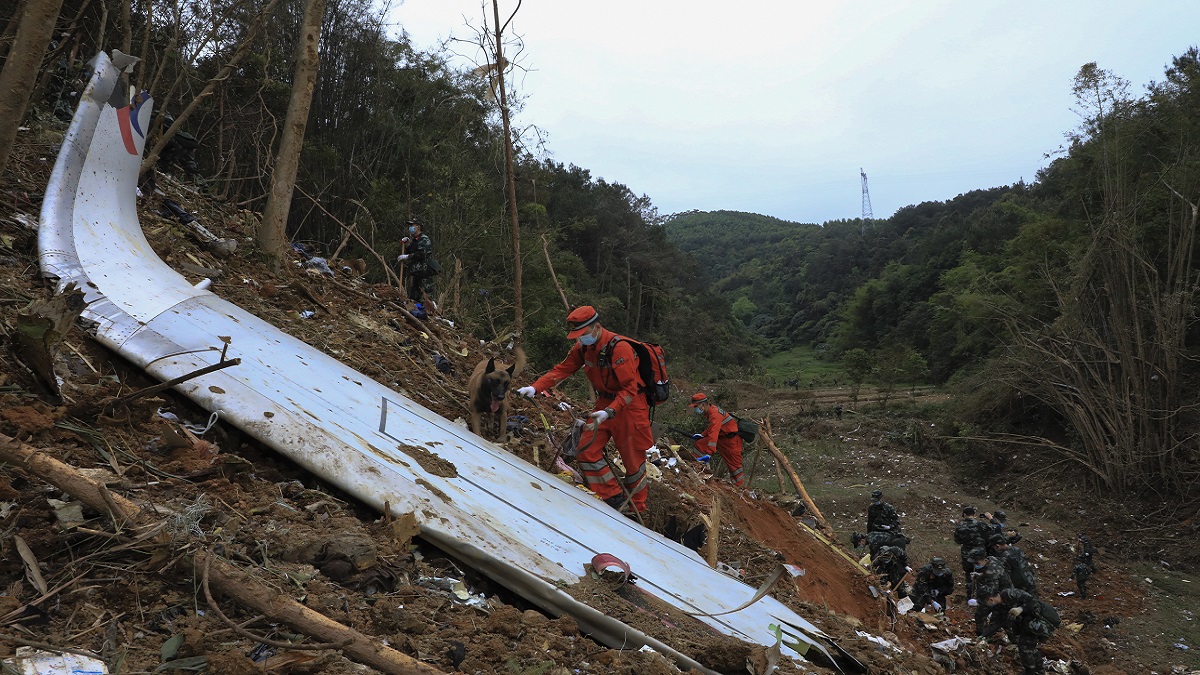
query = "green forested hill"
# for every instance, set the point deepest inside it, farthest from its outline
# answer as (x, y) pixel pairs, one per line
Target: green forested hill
(794, 283)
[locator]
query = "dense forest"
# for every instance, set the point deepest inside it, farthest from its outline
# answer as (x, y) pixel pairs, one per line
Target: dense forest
(1063, 310)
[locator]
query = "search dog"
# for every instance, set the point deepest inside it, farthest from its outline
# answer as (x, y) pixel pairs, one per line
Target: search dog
(488, 388)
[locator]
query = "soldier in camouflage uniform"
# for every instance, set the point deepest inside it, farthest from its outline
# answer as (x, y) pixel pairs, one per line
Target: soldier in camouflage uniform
(420, 265)
(891, 564)
(1085, 564)
(997, 522)
(877, 540)
(1019, 569)
(990, 578)
(1028, 622)
(934, 584)
(882, 516)
(969, 534)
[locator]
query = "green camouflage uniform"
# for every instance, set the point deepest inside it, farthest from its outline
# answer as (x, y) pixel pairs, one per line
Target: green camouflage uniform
(970, 533)
(1029, 628)
(932, 588)
(418, 275)
(1019, 570)
(882, 517)
(989, 581)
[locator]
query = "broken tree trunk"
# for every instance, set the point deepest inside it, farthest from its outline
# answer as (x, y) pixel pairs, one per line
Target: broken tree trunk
(42, 327)
(228, 579)
(553, 276)
(713, 523)
(787, 466)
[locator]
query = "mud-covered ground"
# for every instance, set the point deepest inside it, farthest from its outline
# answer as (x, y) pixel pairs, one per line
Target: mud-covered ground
(112, 592)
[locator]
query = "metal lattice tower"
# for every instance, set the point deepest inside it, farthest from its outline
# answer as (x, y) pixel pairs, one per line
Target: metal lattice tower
(867, 215)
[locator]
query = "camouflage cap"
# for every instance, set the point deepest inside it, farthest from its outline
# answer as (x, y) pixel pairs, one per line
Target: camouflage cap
(998, 539)
(876, 494)
(977, 553)
(938, 563)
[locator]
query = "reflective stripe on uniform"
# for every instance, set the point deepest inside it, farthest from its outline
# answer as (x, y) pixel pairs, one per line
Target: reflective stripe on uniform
(636, 482)
(596, 473)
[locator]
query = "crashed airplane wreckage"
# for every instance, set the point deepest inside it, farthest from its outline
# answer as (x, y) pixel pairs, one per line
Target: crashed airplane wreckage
(509, 520)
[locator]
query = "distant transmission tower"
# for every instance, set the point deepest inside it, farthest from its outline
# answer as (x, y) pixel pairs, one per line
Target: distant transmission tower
(867, 215)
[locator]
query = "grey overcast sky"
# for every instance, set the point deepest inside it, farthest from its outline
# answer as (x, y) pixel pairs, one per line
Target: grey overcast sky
(772, 106)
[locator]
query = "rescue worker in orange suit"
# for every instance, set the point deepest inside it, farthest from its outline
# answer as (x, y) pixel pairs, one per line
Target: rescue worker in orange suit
(721, 436)
(621, 411)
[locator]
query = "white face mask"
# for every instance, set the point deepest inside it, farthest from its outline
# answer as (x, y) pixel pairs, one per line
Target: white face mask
(587, 340)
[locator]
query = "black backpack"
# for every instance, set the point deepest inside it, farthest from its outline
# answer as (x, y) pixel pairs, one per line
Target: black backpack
(746, 429)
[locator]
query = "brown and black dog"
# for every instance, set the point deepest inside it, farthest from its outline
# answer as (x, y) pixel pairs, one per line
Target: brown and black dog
(488, 388)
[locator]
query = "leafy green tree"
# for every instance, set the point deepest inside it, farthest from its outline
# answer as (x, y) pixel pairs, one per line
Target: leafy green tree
(744, 309)
(898, 364)
(858, 364)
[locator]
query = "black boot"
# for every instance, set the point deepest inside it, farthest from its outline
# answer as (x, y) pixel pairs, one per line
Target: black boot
(617, 501)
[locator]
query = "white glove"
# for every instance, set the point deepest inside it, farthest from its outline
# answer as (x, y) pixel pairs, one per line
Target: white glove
(598, 417)
(527, 392)
(936, 606)
(972, 602)
(1015, 612)
(404, 240)
(402, 257)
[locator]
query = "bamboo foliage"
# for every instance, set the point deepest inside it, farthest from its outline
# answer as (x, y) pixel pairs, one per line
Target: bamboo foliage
(1110, 361)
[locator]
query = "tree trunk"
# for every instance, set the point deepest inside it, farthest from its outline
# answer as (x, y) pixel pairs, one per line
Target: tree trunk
(272, 232)
(510, 169)
(21, 69)
(126, 26)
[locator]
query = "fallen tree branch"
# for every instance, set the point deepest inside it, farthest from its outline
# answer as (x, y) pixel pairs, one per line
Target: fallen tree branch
(45, 645)
(109, 407)
(229, 580)
(787, 466)
(212, 604)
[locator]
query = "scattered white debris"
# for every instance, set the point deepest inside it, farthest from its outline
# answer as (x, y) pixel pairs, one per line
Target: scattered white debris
(37, 662)
(950, 645)
(883, 644)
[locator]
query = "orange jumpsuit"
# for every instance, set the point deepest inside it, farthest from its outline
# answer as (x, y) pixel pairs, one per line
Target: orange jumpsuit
(619, 389)
(722, 436)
